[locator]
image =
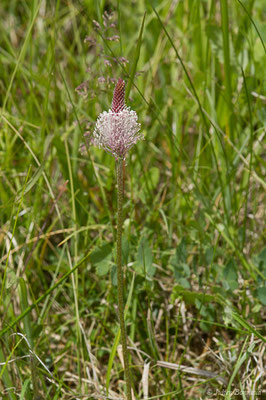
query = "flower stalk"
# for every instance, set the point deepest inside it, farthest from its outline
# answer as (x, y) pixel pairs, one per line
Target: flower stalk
(120, 277)
(116, 131)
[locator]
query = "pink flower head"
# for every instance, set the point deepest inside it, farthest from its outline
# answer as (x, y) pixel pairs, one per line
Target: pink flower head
(117, 130)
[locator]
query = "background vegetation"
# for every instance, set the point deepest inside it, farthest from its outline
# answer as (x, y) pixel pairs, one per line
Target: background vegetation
(193, 241)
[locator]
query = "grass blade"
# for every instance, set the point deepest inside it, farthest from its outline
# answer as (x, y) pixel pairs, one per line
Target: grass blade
(117, 338)
(227, 66)
(135, 61)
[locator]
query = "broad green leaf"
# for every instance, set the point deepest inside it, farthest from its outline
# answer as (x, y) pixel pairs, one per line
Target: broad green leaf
(153, 176)
(103, 267)
(11, 278)
(143, 263)
(261, 293)
(100, 253)
(190, 296)
(181, 252)
(180, 267)
(230, 276)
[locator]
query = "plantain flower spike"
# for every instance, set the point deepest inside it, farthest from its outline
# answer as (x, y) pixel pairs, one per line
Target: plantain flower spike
(117, 130)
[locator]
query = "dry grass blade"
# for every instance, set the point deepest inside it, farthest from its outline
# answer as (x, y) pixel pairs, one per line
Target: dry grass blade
(191, 370)
(145, 380)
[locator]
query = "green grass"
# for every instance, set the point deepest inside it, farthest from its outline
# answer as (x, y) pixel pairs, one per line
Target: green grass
(194, 236)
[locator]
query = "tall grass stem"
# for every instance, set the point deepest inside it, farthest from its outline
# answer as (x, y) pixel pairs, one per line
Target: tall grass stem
(227, 66)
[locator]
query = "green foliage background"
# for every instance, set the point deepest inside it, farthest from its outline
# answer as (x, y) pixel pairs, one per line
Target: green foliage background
(193, 244)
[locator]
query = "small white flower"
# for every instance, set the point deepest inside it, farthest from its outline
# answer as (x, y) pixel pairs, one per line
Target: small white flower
(117, 130)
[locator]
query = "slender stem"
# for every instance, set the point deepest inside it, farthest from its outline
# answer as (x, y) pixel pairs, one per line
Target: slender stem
(227, 67)
(120, 278)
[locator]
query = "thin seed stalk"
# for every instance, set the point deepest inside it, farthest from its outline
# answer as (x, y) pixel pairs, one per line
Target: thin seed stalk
(120, 278)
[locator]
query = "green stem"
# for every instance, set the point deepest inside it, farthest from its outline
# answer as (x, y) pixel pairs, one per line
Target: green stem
(120, 278)
(227, 67)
